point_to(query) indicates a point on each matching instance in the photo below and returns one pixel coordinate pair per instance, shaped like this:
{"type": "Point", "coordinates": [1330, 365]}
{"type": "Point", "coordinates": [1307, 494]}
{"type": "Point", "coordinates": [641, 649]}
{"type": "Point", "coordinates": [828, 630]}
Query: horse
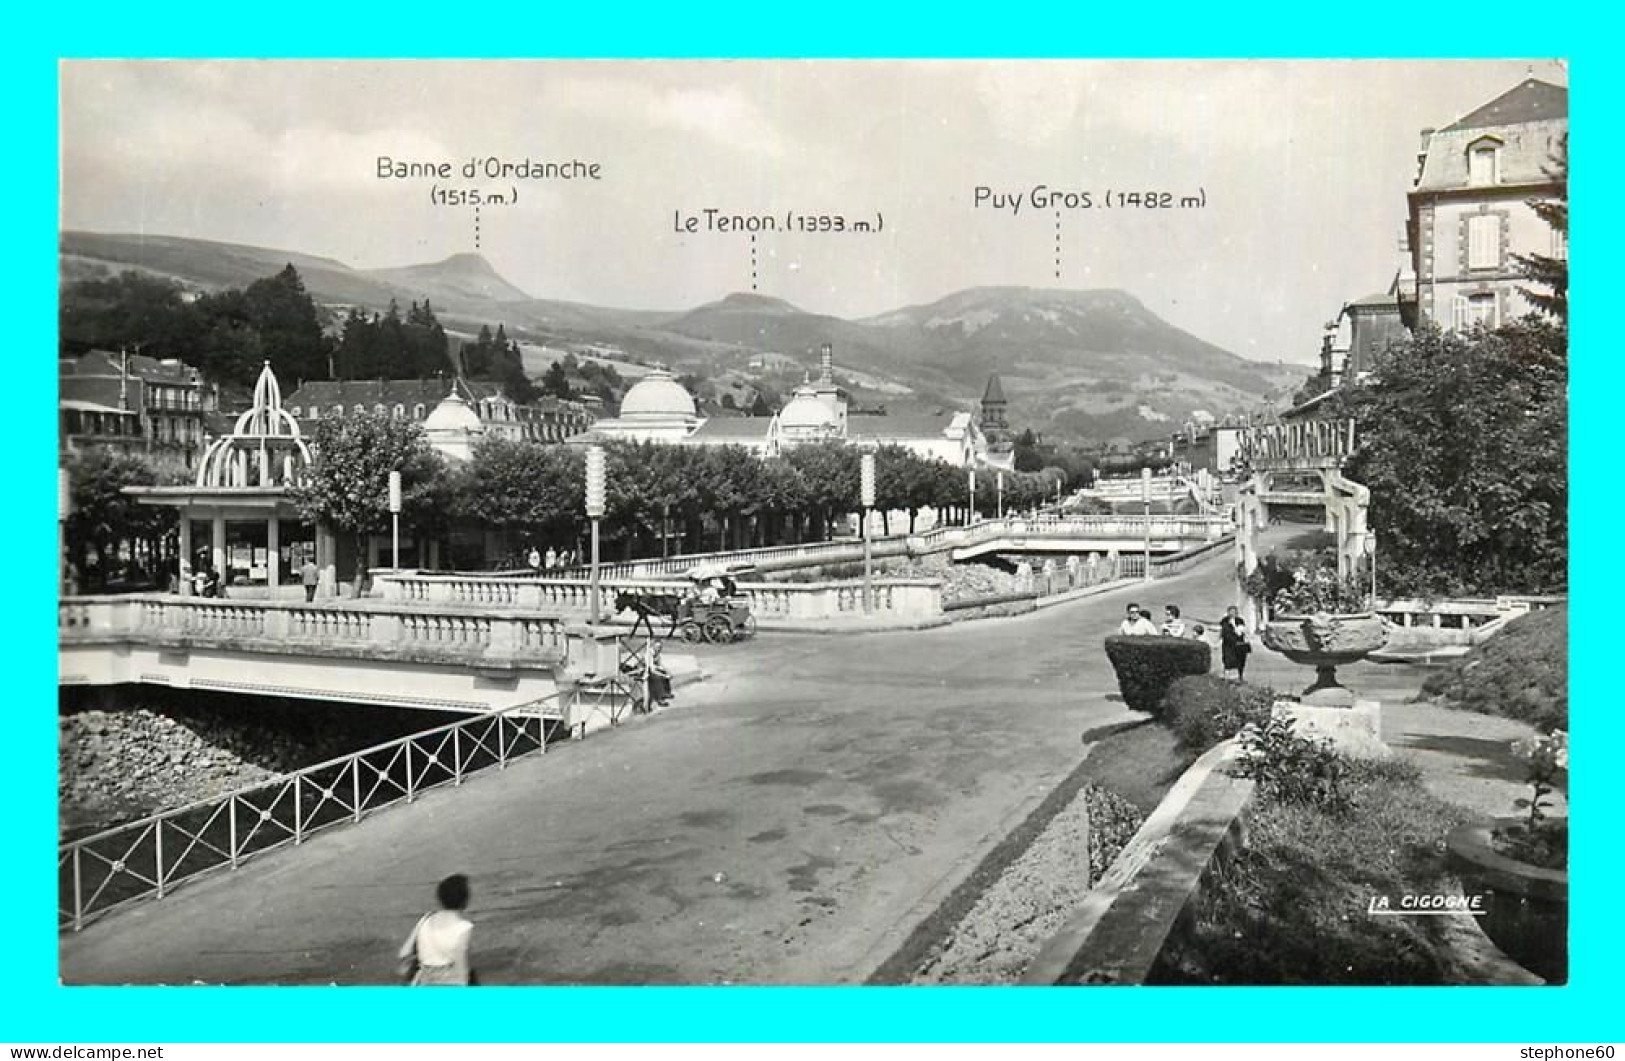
{"type": "Point", "coordinates": [667, 605]}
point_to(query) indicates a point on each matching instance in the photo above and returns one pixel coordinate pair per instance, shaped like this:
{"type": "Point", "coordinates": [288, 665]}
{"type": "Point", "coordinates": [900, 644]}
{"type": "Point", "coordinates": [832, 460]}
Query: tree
{"type": "Point", "coordinates": [1552, 271]}
{"type": "Point", "coordinates": [103, 514]}
{"type": "Point", "coordinates": [556, 381]}
{"type": "Point", "coordinates": [760, 406]}
{"type": "Point", "coordinates": [1463, 443]}
{"type": "Point", "coordinates": [524, 487]}
{"type": "Point", "coordinates": [347, 485]}
{"type": "Point", "coordinates": [282, 313]}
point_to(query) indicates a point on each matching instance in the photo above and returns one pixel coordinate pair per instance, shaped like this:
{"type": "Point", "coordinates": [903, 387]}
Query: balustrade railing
{"type": "Point", "coordinates": [151, 857]}
{"type": "Point", "coordinates": [375, 628]}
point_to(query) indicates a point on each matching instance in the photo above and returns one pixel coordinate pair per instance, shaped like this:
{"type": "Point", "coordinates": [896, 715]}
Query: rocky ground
{"type": "Point", "coordinates": [118, 765]}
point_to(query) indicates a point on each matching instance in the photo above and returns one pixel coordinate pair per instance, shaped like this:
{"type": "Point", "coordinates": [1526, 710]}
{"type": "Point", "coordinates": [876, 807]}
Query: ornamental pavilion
{"type": "Point", "coordinates": [238, 503]}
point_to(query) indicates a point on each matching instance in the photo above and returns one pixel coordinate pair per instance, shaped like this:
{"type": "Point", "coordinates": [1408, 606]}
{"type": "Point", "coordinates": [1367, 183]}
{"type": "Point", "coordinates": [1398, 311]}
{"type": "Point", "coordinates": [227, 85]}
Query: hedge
{"type": "Point", "coordinates": [1205, 709]}
{"type": "Point", "coordinates": [1522, 672]}
{"type": "Point", "coordinates": [1146, 666]}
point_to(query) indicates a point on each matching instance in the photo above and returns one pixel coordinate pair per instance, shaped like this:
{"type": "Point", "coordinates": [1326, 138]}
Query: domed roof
{"type": "Point", "coordinates": [657, 395]}
{"type": "Point", "coordinates": [452, 414]}
{"type": "Point", "coordinates": [806, 410]}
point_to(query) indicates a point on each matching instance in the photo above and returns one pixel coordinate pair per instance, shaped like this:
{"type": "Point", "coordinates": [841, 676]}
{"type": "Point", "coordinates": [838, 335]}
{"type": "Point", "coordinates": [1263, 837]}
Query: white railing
{"type": "Point", "coordinates": [151, 857]}
{"type": "Point", "coordinates": [1464, 621]}
{"type": "Point", "coordinates": [380, 627]}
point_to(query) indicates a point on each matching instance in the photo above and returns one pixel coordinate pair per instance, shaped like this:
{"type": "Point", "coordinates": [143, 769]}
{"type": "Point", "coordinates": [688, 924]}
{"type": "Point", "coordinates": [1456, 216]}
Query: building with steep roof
{"type": "Point", "coordinates": [1001, 442]}
{"type": "Point", "coordinates": [547, 419]}
{"type": "Point", "coordinates": [1469, 214]}
{"type": "Point", "coordinates": [150, 407]}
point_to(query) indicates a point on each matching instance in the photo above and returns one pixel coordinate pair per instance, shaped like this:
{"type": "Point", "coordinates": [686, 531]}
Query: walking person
{"type": "Point", "coordinates": [552, 560]}
{"type": "Point", "coordinates": [1233, 644]}
{"type": "Point", "coordinates": [436, 953]}
{"type": "Point", "coordinates": [311, 577]}
{"type": "Point", "coordinates": [533, 559]}
{"type": "Point", "coordinates": [1172, 624]}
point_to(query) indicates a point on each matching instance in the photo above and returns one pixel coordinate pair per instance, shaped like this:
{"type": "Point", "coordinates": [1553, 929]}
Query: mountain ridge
{"type": "Point", "coordinates": [1073, 361]}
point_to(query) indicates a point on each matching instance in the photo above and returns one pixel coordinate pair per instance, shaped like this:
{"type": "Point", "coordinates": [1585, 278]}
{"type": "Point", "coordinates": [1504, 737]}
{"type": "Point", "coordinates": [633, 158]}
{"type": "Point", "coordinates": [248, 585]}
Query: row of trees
{"type": "Point", "coordinates": [660, 498]}
{"type": "Point", "coordinates": [387, 346]}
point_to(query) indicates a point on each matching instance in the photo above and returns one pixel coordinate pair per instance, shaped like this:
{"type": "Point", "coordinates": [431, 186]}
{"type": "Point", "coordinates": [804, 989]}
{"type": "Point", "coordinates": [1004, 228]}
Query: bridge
{"type": "Point", "coordinates": [368, 652]}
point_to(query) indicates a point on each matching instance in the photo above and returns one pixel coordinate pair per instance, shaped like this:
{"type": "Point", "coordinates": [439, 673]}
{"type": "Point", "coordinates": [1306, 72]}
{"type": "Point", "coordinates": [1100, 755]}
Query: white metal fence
{"type": "Point", "coordinates": [152, 856]}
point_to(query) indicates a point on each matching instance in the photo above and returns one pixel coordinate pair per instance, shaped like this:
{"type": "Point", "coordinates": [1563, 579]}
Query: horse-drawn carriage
{"type": "Point", "coordinates": [713, 609]}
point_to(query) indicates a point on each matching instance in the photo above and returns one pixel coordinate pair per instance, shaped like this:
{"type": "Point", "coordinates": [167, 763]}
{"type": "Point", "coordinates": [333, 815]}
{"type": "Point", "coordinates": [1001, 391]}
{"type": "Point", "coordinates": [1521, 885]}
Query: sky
{"type": "Point", "coordinates": [1302, 166]}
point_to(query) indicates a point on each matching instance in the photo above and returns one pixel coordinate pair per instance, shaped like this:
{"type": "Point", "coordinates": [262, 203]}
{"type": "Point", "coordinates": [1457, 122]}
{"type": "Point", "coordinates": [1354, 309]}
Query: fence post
{"type": "Point", "coordinates": [158, 854]}
{"type": "Point", "coordinates": [502, 751]}
{"type": "Point", "coordinates": [408, 758]}
{"type": "Point", "coordinates": [78, 891]}
{"type": "Point", "coordinates": [231, 813]}
{"type": "Point", "coordinates": [355, 780]}
{"type": "Point", "coordinates": [298, 810]}
{"type": "Point", "coordinates": [457, 756]}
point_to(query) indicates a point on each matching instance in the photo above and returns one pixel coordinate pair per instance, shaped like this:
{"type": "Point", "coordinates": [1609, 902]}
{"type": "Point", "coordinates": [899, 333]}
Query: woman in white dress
{"type": "Point", "coordinates": [438, 945]}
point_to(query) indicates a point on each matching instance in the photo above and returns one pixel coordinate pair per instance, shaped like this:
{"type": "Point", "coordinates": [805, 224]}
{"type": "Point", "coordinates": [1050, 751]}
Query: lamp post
{"type": "Point", "coordinates": [868, 499]}
{"type": "Point", "coordinates": [595, 512]}
{"type": "Point", "coordinates": [972, 517]}
{"type": "Point", "coordinates": [64, 508]}
{"type": "Point", "coordinates": [1145, 498]}
{"type": "Point", "coordinates": [998, 478]}
{"type": "Point", "coordinates": [395, 519]}
{"type": "Point", "coordinates": [1371, 553]}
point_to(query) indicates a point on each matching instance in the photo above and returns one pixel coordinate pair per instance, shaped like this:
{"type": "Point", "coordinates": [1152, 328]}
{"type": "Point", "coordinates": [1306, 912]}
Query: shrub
{"type": "Point", "coordinates": [1204, 709]}
{"type": "Point", "coordinates": [1113, 821]}
{"type": "Point", "coordinates": [1146, 666]}
{"type": "Point", "coordinates": [1293, 769]}
{"type": "Point", "coordinates": [1522, 672]}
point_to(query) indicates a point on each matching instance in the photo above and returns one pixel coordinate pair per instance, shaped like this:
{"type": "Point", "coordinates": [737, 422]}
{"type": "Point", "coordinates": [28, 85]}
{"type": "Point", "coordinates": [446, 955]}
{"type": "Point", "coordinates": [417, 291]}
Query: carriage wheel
{"type": "Point", "coordinates": [690, 631]}
{"type": "Point", "coordinates": [718, 630]}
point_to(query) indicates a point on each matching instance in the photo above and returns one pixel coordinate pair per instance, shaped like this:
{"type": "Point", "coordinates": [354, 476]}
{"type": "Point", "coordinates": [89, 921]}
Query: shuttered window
{"type": "Point", "coordinates": [1484, 242]}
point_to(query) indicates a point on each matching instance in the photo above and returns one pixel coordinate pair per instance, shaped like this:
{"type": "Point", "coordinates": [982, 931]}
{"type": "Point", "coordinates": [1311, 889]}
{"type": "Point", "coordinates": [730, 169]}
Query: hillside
{"type": "Point", "coordinates": [1094, 364]}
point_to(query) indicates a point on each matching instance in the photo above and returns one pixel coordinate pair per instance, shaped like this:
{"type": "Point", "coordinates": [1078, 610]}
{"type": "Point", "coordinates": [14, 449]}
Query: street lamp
{"type": "Point", "coordinates": [395, 517]}
{"type": "Point", "coordinates": [999, 479]}
{"type": "Point", "coordinates": [868, 498]}
{"type": "Point", "coordinates": [64, 509]}
{"type": "Point", "coordinates": [1145, 497]}
{"type": "Point", "coordinates": [595, 512]}
{"type": "Point", "coordinates": [972, 517]}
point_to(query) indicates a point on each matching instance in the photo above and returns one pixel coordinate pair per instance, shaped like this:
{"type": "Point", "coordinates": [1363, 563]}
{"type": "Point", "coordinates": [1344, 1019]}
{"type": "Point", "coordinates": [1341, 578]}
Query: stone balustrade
{"type": "Point", "coordinates": [902, 602]}
{"type": "Point", "coordinates": [376, 631]}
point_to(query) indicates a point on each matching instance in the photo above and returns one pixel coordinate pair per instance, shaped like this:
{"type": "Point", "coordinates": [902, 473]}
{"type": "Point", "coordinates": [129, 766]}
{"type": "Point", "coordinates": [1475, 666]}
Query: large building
{"type": "Point", "coordinates": [545, 420]}
{"type": "Point", "coordinates": [1469, 209]}
{"type": "Point", "coordinates": [658, 409]}
{"type": "Point", "coordinates": [131, 403]}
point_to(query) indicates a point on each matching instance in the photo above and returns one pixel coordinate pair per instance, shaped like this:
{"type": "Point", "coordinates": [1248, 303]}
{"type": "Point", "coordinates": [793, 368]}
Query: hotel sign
{"type": "Point", "coordinates": [1302, 444]}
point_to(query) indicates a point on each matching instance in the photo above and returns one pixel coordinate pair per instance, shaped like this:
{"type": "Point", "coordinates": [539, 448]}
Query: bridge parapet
{"type": "Point", "coordinates": [378, 631]}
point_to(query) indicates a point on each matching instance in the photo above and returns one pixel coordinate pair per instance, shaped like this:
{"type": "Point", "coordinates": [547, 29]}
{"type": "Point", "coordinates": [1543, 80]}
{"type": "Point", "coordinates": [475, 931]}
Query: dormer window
{"type": "Point", "coordinates": [1484, 163]}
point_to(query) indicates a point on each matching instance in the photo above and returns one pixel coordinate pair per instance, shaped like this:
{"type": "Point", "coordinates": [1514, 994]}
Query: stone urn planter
{"type": "Point", "coordinates": [1526, 907]}
{"type": "Point", "coordinates": [1326, 642]}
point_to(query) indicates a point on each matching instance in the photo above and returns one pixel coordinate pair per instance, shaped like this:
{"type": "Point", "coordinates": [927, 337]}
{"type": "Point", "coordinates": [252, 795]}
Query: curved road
{"type": "Point", "coordinates": [787, 821]}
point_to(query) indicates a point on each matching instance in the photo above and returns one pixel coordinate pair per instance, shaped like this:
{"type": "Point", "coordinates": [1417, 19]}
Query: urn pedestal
{"type": "Point", "coordinates": [1326, 642]}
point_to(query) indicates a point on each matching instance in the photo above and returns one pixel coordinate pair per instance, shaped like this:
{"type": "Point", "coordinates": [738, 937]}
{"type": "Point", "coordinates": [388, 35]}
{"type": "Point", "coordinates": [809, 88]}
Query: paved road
{"type": "Point", "coordinates": [786, 821]}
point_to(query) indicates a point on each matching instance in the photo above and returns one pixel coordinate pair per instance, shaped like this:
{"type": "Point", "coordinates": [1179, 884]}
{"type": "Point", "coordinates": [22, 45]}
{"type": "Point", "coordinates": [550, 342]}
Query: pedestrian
{"type": "Point", "coordinates": [1233, 644]}
{"type": "Point", "coordinates": [436, 953]}
{"type": "Point", "coordinates": [310, 576]}
{"type": "Point", "coordinates": [552, 560]}
{"type": "Point", "coordinates": [1172, 624]}
{"type": "Point", "coordinates": [533, 559]}
{"type": "Point", "coordinates": [1135, 623]}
